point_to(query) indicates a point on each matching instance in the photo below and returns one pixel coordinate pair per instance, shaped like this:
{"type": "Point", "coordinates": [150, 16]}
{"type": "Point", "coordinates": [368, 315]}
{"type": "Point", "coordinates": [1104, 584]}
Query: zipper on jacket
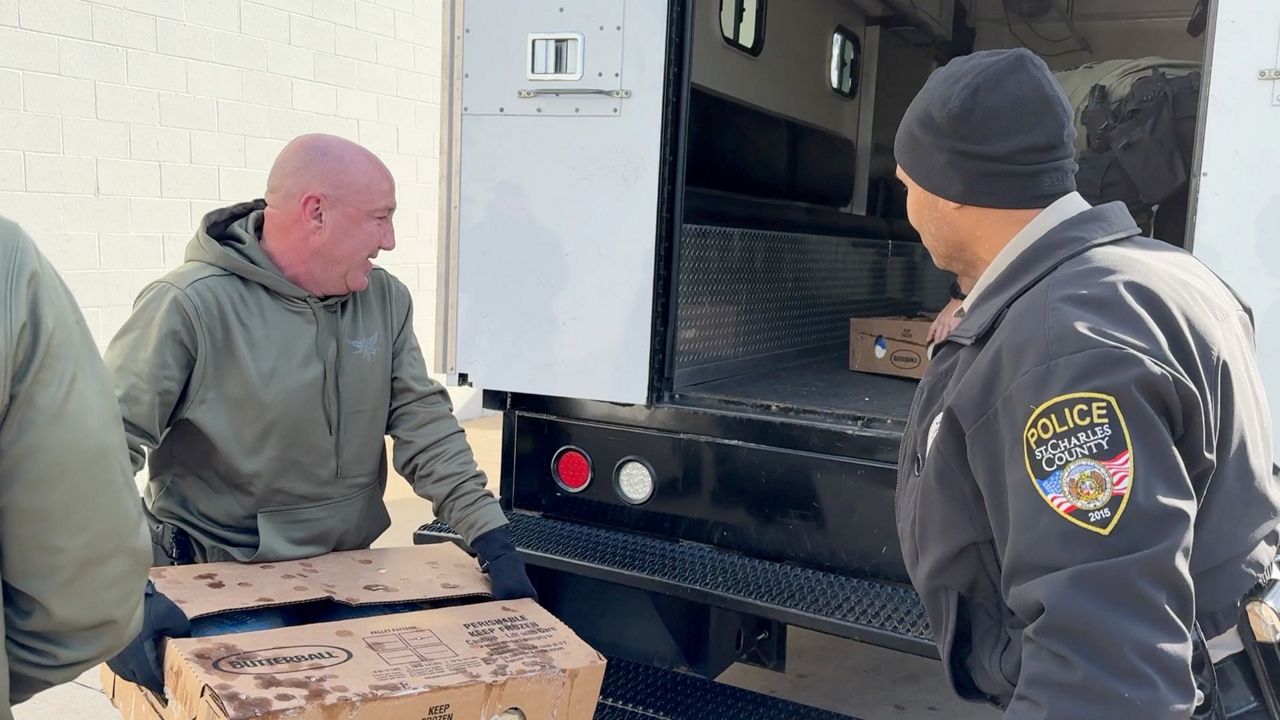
{"type": "Point", "coordinates": [907, 434]}
{"type": "Point", "coordinates": [337, 390]}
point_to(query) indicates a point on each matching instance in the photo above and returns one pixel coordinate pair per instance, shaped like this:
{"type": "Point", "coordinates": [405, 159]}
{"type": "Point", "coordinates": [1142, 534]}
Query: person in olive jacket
{"type": "Point", "coordinates": [264, 374]}
{"type": "Point", "coordinates": [73, 545]}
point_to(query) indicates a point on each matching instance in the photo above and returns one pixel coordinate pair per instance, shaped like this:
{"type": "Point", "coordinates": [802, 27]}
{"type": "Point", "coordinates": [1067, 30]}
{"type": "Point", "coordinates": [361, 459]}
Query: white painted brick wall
{"type": "Point", "coordinates": [188, 111]}
{"type": "Point", "coordinates": [55, 95]}
{"type": "Point", "coordinates": [266, 23]}
{"type": "Point", "coordinates": [212, 148]}
{"type": "Point", "coordinates": [128, 178]}
{"type": "Point", "coordinates": [239, 50]}
{"type": "Point", "coordinates": [83, 137]}
{"type": "Point", "coordinates": [59, 174]}
{"type": "Point", "coordinates": [122, 122]}
{"type": "Point", "coordinates": [92, 61]}
{"type": "Point", "coordinates": [122, 28]}
{"type": "Point", "coordinates": [290, 61]}
{"type": "Point", "coordinates": [117, 102]}
{"type": "Point", "coordinates": [187, 181]}
{"type": "Point", "coordinates": [56, 17]}
{"type": "Point", "coordinates": [10, 89]}
{"type": "Point", "coordinates": [12, 173]}
{"type": "Point", "coordinates": [150, 142]}
{"type": "Point", "coordinates": [158, 72]}
{"type": "Point", "coordinates": [342, 13]}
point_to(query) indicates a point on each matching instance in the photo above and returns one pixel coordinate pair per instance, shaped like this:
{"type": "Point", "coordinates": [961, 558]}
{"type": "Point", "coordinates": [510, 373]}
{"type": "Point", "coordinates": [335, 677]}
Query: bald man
{"type": "Point", "coordinates": [264, 374]}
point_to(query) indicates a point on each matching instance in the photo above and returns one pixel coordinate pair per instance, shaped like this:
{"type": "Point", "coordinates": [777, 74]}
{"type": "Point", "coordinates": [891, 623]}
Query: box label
{"type": "Point", "coordinates": [905, 359]}
{"type": "Point", "coordinates": [283, 660]}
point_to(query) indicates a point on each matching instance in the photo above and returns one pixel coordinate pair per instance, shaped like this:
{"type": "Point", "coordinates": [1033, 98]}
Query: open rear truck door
{"type": "Point", "coordinates": [560, 108]}
{"type": "Point", "coordinates": [1237, 210]}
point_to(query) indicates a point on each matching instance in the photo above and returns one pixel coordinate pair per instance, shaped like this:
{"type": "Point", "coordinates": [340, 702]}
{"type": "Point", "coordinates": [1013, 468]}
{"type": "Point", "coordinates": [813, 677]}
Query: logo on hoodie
{"type": "Point", "coordinates": [365, 347]}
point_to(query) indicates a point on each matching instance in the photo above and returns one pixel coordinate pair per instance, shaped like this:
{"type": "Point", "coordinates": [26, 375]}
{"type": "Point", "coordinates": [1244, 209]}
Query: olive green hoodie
{"type": "Point", "coordinates": [266, 408]}
{"type": "Point", "coordinates": [73, 547]}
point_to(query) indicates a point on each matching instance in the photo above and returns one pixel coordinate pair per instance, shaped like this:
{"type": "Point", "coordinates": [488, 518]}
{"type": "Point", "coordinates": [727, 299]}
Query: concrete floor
{"type": "Point", "coordinates": [827, 672]}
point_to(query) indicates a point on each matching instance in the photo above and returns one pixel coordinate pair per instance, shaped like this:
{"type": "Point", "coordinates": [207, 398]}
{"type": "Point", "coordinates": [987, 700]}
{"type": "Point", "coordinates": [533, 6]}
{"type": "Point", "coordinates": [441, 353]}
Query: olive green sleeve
{"type": "Point", "coordinates": [74, 551]}
{"type": "Point", "coordinates": [152, 360]}
{"type": "Point", "coordinates": [430, 447]}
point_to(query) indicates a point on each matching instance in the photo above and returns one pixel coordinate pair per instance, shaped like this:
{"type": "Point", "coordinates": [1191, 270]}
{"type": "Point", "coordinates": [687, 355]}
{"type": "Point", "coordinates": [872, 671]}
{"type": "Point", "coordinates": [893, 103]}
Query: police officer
{"type": "Point", "coordinates": [1086, 488]}
{"type": "Point", "coordinates": [264, 374]}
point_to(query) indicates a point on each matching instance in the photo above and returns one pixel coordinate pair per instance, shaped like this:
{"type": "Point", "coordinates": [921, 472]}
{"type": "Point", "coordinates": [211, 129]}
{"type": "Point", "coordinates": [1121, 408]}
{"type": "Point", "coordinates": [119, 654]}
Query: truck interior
{"type": "Point", "coordinates": [793, 222]}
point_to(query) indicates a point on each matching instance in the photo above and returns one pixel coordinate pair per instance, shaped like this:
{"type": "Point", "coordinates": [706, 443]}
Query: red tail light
{"type": "Point", "coordinates": [571, 469]}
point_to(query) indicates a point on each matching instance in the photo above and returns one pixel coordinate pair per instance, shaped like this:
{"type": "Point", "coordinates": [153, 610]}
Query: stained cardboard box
{"type": "Point", "coordinates": [467, 658]}
{"type": "Point", "coordinates": [889, 345]}
{"type": "Point", "coordinates": [132, 701]}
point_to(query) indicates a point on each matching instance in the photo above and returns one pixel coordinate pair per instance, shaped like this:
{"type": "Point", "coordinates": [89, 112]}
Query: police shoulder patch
{"type": "Point", "coordinates": [1080, 458]}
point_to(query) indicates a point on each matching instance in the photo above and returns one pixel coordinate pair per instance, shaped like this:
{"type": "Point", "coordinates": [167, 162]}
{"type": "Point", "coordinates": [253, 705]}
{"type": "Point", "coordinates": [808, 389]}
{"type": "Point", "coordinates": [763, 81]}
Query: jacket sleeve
{"type": "Point", "coordinates": [1093, 526]}
{"type": "Point", "coordinates": [152, 360]}
{"type": "Point", "coordinates": [74, 552]}
{"type": "Point", "coordinates": [430, 447]}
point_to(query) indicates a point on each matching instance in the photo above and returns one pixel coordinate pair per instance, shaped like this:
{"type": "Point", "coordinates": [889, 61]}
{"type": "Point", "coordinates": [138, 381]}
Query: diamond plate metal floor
{"type": "Point", "coordinates": [638, 692]}
{"type": "Point", "coordinates": [883, 614]}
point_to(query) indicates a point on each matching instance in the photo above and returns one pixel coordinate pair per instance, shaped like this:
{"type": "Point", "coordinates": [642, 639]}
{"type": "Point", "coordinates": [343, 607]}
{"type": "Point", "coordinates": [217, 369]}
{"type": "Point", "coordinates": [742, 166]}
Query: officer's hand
{"type": "Point", "coordinates": [142, 661]}
{"type": "Point", "coordinates": [944, 323]}
{"type": "Point", "coordinates": [498, 558]}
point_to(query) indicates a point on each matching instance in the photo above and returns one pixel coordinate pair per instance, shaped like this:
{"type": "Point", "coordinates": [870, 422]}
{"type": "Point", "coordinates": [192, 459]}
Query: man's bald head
{"type": "Point", "coordinates": [320, 163]}
{"type": "Point", "coordinates": [329, 209]}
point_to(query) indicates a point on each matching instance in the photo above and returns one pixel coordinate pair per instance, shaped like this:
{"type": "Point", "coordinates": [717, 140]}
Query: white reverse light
{"type": "Point", "coordinates": [635, 481]}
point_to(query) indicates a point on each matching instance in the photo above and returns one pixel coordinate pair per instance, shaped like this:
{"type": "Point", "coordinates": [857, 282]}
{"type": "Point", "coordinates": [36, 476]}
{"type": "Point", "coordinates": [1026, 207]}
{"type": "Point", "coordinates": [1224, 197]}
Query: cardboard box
{"type": "Point", "coordinates": [889, 345]}
{"type": "Point", "coordinates": [472, 661]}
{"type": "Point", "coordinates": [132, 701]}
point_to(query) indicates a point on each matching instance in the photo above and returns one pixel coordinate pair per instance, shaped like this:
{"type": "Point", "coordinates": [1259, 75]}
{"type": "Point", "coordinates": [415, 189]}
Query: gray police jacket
{"type": "Point", "coordinates": [1088, 469]}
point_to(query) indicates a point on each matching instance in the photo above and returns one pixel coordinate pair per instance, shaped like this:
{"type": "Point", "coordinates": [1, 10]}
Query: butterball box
{"type": "Point", "coordinates": [463, 657]}
{"type": "Point", "coordinates": [889, 345]}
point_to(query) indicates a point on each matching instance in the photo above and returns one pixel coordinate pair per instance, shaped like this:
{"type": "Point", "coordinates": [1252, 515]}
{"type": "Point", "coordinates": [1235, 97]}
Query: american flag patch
{"type": "Point", "coordinates": [1052, 489]}
{"type": "Point", "coordinates": [1119, 469]}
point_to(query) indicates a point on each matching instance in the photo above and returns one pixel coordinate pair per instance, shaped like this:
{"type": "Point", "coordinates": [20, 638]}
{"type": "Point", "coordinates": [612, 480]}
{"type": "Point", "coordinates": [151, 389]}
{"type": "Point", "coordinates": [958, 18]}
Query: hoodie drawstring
{"type": "Point", "coordinates": [322, 351]}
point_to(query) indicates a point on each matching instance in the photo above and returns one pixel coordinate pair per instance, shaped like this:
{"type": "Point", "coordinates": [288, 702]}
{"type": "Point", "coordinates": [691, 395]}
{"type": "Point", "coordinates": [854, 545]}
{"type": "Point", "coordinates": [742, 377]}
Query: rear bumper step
{"type": "Point", "coordinates": [878, 613]}
{"type": "Point", "coordinates": [639, 692]}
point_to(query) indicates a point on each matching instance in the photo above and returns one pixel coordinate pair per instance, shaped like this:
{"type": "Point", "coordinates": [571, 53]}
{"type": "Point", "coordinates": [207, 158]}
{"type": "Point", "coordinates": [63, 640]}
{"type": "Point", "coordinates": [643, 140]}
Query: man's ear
{"type": "Point", "coordinates": [312, 205]}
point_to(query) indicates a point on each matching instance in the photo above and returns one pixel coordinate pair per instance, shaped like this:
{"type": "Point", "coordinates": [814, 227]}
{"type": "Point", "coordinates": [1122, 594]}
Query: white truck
{"type": "Point", "coordinates": [658, 218]}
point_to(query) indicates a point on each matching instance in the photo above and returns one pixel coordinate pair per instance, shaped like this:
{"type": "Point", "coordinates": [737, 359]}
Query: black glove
{"type": "Point", "coordinates": [142, 661]}
{"type": "Point", "coordinates": [498, 558]}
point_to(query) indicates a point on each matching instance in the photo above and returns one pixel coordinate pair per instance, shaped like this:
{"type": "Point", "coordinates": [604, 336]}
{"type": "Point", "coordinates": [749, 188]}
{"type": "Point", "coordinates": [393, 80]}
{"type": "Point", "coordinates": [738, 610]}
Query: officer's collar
{"type": "Point", "coordinates": [1089, 229]}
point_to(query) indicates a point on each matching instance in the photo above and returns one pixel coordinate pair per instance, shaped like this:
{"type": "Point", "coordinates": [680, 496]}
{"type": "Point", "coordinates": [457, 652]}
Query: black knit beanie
{"type": "Point", "coordinates": [992, 129]}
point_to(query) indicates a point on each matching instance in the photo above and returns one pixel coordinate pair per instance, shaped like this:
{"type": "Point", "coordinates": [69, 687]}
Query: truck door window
{"type": "Point", "coordinates": [555, 57]}
{"type": "Point", "coordinates": [742, 24]}
{"type": "Point", "coordinates": [846, 60]}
